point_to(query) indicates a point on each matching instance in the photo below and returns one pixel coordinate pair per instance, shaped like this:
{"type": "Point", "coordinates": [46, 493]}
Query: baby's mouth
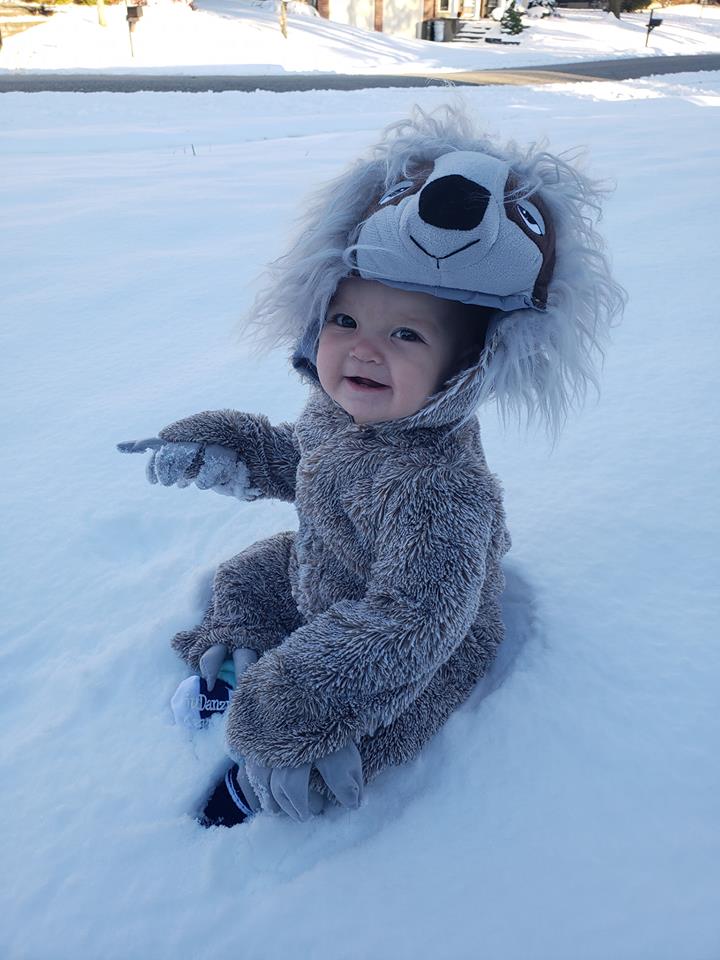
{"type": "Point", "coordinates": [367, 383]}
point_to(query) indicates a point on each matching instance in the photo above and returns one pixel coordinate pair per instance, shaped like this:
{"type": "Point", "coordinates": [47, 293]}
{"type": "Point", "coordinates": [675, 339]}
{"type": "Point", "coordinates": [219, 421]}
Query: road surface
{"type": "Point", "coordinates": [618, 69]}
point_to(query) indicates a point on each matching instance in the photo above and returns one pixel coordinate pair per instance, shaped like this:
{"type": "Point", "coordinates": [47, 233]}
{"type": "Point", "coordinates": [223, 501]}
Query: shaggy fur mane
{"type": "Point", "coordinates": [536, 364]}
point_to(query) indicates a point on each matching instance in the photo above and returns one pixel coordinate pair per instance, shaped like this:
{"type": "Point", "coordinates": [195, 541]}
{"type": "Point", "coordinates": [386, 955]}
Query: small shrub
{"type": "Point", "coordinates": [511, 21]}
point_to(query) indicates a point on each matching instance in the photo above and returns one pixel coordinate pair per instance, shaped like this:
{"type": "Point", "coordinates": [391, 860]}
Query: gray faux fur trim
{"type": "Point", "coordinates": [538, 364]}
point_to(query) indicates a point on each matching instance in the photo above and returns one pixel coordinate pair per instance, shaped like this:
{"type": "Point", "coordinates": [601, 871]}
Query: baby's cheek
{"type": "Point", "coordinates": [324, 359]}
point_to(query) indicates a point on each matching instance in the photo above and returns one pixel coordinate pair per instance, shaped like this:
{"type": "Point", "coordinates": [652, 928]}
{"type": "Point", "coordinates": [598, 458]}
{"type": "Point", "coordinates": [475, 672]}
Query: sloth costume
{"type": "Point", "coordinates": [375, 619]}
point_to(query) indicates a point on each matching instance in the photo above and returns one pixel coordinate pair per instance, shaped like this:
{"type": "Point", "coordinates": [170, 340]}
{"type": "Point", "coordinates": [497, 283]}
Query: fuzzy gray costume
{"type": "Point", "coordinates": [374, 621]}
{"type": "Point", "coordinates": [378, 616]}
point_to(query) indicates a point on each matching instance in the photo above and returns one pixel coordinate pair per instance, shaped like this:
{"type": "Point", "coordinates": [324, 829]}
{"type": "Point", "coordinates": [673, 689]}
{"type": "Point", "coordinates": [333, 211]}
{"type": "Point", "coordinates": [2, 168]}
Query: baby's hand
{"type": "Point", "coordinates": [169, 463]}
{"type": "Point", "coordinates": [209, 466]}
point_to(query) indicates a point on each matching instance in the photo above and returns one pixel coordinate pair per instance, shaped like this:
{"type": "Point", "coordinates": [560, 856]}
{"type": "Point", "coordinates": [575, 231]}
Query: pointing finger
{"type": "Point", "coordinates": [139, 446]}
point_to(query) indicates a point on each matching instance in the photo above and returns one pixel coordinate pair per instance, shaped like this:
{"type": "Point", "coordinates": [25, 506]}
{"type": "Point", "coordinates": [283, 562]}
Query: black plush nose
{"type": "Point", "coordinates": [453, 203]}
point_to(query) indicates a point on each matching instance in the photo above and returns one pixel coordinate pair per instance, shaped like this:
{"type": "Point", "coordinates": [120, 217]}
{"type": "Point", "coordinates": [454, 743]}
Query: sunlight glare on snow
{"type": "Point", "coordinates": [239, 37]}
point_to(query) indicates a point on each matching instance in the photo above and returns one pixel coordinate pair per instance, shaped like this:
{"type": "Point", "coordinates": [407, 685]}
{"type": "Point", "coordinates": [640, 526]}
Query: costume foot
{"type": "Point", "coordinates": [193, 704]}
{"type": "Point", "coordinates": [227, 805]}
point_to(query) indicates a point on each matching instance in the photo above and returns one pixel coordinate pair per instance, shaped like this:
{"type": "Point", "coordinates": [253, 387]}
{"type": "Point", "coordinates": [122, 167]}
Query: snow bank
{"type": "Point", "coordinates": [571, 814]}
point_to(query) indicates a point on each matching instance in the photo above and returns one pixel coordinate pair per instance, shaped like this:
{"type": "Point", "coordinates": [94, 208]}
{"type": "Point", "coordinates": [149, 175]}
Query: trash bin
{"type": "Point", "coordinates": [438, 30]}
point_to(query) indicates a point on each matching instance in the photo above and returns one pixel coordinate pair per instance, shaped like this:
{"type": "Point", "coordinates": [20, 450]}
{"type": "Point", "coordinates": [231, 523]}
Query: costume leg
{"type": "Point", "coordinates": [452, 684]}
{"type": "Point", "coordinates": [252, 604]}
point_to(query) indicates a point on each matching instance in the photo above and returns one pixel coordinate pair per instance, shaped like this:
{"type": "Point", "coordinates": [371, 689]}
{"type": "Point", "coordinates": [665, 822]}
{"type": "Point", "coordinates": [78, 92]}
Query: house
{"type": "Point", "coordinates": [401, 17]}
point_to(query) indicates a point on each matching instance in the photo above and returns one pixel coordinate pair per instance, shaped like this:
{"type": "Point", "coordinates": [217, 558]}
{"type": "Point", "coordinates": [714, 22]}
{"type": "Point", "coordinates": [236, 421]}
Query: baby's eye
{"type": "Point", "coordinates": [342, 320]}
{"type": "Point", "coordinates": [405, 333]}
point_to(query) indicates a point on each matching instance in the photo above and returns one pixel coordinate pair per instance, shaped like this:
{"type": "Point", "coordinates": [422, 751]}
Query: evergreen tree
{"type": "Point", "coordinates": [511, 21]}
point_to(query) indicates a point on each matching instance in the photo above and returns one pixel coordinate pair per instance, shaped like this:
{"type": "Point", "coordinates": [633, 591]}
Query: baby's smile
{"type": "Point", "coordinates": [362, 383]}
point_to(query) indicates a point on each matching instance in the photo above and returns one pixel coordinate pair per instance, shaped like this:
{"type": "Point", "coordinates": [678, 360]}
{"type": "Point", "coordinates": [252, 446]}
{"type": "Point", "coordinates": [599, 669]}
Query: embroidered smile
{"type": "Point", "coordinates": [446, 255]}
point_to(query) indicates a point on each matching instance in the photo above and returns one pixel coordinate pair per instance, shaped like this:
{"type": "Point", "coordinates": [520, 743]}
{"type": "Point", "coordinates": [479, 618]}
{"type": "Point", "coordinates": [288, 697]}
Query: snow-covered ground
{"type": "Point", "coordinates": [237, 37]}
{"type": "Point", "coordinates": [573, 813]}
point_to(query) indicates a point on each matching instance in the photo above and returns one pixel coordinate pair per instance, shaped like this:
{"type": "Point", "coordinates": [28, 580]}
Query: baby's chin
{"type": "Point", "coordinates": [369, 405]}
{"type": "Point", "coordinates": [382, 408]}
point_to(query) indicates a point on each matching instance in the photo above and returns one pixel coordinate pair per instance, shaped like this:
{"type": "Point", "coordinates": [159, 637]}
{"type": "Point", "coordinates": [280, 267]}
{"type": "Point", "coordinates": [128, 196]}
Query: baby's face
{"type": "Point", "coordinates": [383, 351]}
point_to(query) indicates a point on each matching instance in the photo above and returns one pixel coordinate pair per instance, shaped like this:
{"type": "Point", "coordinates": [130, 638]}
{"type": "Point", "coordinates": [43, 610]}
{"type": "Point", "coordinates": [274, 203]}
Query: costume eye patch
{"type": "Point", "coordinates": [396, 191]}
{"type": "Point", "coordinates": [532, 218]}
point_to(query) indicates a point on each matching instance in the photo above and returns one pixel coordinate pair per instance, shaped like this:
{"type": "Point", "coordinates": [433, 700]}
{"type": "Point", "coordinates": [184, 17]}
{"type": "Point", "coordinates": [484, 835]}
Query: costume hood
{"type": "Point", "coordinates": [440, 209]}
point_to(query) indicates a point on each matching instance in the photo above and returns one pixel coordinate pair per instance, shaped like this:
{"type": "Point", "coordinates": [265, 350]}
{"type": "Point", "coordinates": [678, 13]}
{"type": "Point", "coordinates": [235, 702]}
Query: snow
{"type": "Point", "coordinates": [239, 37]}
{"type": "Point", "coordinates": [571, 813]}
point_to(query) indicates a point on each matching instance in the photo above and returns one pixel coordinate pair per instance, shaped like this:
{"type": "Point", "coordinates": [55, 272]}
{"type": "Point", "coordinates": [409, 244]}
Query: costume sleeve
{"type": "Point", "coordinates": [358, 665]}
{"type": "Point", "coordinates": [270, 454]}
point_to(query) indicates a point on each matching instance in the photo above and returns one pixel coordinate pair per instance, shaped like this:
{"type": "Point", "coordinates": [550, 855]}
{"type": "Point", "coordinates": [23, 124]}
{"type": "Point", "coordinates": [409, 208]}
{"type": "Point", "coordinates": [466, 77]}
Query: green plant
{"type": "Point", "coordinates": [511, 21]}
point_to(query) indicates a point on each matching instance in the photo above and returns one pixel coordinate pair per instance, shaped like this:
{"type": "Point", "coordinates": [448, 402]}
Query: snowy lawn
{"type": "Point", "coordinates": [237, 37]}
{"type": "Point", "coordinates": [573, 813]}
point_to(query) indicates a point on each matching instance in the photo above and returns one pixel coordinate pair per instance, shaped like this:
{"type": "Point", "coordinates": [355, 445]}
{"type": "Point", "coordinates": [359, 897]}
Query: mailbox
{"type": "Point", "coordinates": [134, 13]}
{"type": "Point", "coordinates": [651, 24]}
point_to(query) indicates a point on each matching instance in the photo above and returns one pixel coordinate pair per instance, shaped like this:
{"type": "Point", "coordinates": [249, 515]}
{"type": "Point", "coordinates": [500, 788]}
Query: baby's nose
{"type": "Point", "coordinates": [367, 350]}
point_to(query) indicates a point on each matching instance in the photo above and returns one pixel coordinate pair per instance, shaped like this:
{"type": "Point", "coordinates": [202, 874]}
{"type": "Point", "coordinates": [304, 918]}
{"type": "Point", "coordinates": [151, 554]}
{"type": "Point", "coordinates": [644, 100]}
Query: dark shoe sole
{"type": "Point", "coordinates": [226, 806]}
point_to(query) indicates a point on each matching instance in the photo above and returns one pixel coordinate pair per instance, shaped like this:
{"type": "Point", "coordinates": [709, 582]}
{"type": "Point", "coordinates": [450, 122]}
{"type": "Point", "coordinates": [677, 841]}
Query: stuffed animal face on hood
{"type": "Point", "coordinates": [461, 229]}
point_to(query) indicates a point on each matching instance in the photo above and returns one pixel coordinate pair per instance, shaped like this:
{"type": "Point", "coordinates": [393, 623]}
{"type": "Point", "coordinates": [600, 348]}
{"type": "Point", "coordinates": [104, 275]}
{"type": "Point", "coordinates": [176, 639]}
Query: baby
{"type": "Point", "coordinates": [440, 273]}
